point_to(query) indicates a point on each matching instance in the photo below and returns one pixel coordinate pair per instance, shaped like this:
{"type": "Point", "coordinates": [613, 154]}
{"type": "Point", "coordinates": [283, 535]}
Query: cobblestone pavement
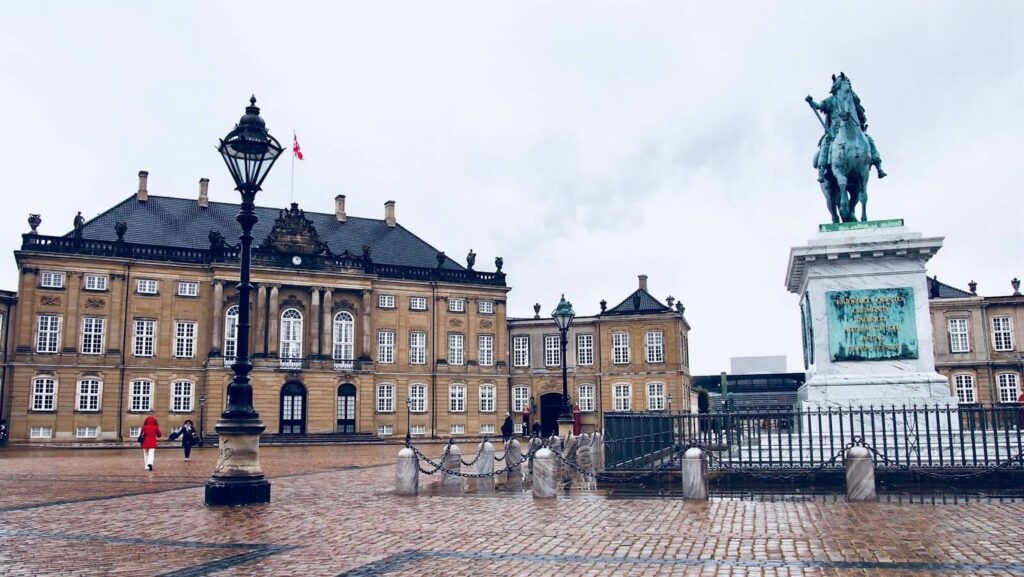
{"type": "Point", "coordinates": [96, 512]}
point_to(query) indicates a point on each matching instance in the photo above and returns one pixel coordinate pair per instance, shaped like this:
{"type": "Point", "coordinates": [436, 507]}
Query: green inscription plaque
{"type": "Point", "coordinates": [871, 325]}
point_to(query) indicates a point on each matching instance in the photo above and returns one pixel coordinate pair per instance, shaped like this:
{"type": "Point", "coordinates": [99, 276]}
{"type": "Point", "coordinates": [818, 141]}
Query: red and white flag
{"type": "Point", "coordinates": [296, 150]}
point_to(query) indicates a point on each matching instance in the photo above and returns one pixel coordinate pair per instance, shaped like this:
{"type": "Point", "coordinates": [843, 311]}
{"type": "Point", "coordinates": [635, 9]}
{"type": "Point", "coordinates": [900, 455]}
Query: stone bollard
{"type": "Point", "coordinates": [555, 442]}
{"type": "Point", "coordinates": [452, 484]}
{"type": "Point", "coordinates": [569, 454]}
{"type": "Point", "coordinates": [407, 473]}
{"type": "Point", "coordinates": [485, 465]}
{"type": "Point", "coordinates": [695, 479]}
{"type": "Point", "coordinates": [585, 461]}
{"type": "Point", "coordinates": [513, 455]}
{"type": "Point", "coordinates": [860, 475]}
{"type": "Point", "coordinates": [535, 444]}
{"type": "Point", "coordinates": [598, 451]}
{"type": "Point", "coordinates": [545, 486]}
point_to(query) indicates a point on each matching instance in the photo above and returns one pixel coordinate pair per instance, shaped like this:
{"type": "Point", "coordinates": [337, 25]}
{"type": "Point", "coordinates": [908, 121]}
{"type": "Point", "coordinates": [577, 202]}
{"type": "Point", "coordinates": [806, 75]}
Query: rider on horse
{"type": "Point", "coordinates": [821, 161]}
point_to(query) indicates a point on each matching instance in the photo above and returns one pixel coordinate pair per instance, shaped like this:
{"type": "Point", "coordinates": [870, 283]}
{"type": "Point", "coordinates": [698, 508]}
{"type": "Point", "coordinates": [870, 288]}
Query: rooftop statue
{"type": "Point", "coordinates": [845, 152]}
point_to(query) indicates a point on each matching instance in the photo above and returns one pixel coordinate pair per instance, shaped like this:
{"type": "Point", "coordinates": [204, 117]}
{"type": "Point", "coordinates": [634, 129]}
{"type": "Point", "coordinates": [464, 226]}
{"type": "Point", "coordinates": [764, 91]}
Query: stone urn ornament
{"type": "Point", "coordinates": [34, 220]}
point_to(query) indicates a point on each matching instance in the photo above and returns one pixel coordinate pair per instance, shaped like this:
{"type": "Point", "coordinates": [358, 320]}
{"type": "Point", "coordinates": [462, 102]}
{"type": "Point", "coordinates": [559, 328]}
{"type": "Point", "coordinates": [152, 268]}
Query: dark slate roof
{"type": "Point", "coordinates": [938, 290]}
{"type": "Point", "coordinates": [639, 303]}
{"type": "Point", "coordinates": [180, 222]}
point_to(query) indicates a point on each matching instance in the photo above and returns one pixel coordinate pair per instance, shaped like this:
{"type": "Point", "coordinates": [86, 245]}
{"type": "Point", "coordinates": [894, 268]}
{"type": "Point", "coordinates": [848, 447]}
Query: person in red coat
{"type": "Point", "coordinates": [147, 438]}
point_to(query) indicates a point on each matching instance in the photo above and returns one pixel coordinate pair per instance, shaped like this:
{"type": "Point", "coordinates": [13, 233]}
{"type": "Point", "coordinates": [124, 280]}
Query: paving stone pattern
{"type": "Point", "coordinates": [96, 512]}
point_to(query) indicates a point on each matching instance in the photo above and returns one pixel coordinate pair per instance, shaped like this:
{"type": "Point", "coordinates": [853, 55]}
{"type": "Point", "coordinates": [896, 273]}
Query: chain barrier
{"type": "Point", "coordinates": [441, 467]}
{"type": "Point", "coordinates": [479, 451]}
{"type": "Point", "coordinates": [977, 473]}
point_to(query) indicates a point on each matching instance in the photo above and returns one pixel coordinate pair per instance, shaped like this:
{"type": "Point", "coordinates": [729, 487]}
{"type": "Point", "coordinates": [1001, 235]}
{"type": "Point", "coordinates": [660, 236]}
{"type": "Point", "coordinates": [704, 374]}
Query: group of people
{"type": "Point", "coordinates": [151, 432]}
{"type": "Point", "coordinates": [508, 428]}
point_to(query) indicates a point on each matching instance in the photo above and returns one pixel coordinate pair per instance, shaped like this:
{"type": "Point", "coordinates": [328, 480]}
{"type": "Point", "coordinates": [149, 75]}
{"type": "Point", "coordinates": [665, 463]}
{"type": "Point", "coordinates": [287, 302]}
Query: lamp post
{"type": "Point", "coordinates": [563, 315]}
{"type": "Point", "coordinates": [249, 153]}
{"type": "Point", "coordinates": [408, 421]}
{"type": "Point", "coordinates": [202, 416]}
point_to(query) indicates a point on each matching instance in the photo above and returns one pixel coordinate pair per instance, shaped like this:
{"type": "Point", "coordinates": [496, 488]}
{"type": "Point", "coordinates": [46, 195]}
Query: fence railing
{"type": "Point", "coordinates": [904, 437]}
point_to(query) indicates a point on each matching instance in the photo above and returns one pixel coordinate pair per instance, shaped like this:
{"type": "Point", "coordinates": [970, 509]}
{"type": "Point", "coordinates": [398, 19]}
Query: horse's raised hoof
{"type": "Point", "coordinates": [882, 173]}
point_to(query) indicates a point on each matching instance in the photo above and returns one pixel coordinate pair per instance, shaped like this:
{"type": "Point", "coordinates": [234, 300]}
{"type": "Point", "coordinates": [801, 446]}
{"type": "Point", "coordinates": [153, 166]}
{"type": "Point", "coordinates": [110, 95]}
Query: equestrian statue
{"type": "Point", "coordinates": [846, 152]}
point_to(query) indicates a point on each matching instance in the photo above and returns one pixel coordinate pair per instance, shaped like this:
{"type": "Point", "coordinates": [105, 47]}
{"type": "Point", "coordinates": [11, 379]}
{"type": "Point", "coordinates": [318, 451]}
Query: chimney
{"type": "Point", "coordinates": [643, 281]}
{"type": "Point", "coordinates": [204, 199]}
{"type": "Point", "coordinates": [339, 207]}
{"type": "Point", "coordinates": [389, 213]}
{"type": "Point", "coordinates": [143, 194]}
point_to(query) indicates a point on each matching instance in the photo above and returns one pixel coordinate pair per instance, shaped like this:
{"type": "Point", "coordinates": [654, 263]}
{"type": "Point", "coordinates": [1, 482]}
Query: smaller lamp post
{"type": "Point", "coordinates": [202, 416]}
{"type": "Point", "coordinates": [563, 315]}
{"type": "Point", "coordinates": [408, 421]}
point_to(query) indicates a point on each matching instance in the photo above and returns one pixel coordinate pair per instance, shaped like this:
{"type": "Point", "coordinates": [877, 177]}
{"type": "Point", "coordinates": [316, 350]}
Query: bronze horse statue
{"type": "Point", "coordinates": [849, 158]}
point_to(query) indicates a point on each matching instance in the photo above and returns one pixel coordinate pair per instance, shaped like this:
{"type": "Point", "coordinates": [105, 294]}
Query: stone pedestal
{"type": "Point", "coordinates": [452, 484]}
{"type": "Point", "coordinates": [238, 478]}
{"type": "Point", "coordinates": [485, 466]}
{"type": "Point", "coordinates": [694, 473]}
{"type": "Point", "coordinates": [545, 486]}
{"type": "Point", "coordinates": [407, 473]}
{"type": "Point", "coordinates": [513, 459]}
{"type": "Point", "coordinates": [867, 325]}
{"type": "Point", "coordinates": [860, 475]}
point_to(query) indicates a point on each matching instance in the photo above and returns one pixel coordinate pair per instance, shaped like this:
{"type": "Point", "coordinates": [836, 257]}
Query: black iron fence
{"type": "Point", "coordinates": [902, 437]}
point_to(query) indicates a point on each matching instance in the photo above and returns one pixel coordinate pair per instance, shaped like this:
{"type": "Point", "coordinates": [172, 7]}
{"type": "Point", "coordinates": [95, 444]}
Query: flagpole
{"type": "Point", "coordinates": [292, 193]}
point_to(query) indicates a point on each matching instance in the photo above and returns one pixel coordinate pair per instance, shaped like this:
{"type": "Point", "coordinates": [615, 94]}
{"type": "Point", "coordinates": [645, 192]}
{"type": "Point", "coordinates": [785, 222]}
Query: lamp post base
{"type": "Point", "coordinates": [565, 427]}
{"type": "Point", "coordinates": [238, 478]}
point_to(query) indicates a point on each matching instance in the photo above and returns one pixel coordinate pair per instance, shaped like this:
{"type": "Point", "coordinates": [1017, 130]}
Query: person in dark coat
{"type": "Point", "coordinates": [189, 437]}
{"type": "Point", "coordinates": [507, 428]}
{"type": "Point", "coordinates": [150, 433]}
{"type": "Point", "coordinates": [536, 428]}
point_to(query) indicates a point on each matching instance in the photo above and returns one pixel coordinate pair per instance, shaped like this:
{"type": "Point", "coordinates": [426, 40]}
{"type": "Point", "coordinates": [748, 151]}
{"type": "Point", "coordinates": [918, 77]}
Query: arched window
{"type": "Point", "coordinates": [291, 338]}
{"type": "Point", "coordinates": [487, 394]}
{"type": "Point", "coordinates": [520, 398]}
{"type": "Point", "coordinates": [44, 394]}
{"type": "Point", "coordinates": [141, 396]}
{"type": "Point", "coordinates": [230, 335]}
{"type": "Point", "coordinates": [344, 340]}
{"type": "Point", "coordinates": [457, 398]}
{"type": "Point", "coordinates": [88, 398]}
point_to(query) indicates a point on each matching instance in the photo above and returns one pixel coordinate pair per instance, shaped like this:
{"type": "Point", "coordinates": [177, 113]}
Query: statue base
{"type": "Point", "coordinates": [238, 478]}
{"type": "Point", "coordinates": [866, 320]}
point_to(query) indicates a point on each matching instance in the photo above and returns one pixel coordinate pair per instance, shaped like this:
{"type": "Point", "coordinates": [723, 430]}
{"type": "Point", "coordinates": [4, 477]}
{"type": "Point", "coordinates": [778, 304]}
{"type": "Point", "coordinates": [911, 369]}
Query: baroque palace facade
{"type": "Point", "coordinates": [357, 326]}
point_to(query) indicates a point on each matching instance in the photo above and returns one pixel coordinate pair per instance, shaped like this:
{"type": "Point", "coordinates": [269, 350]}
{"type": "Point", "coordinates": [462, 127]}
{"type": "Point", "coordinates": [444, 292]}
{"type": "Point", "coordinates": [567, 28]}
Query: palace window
{"type": "Point", "coordinates": [41, 432]}
{"type": "Point", "coordinates": [144, 338]}
{"type": "Point", "coordinates": [385, 430]}
{"type": "Point", "coordinates": [146, 286]}
{"type": "Point", "coordinates": [418, 398]}
{"type": "Point", "coordinates": [1008, 389]}
{"type": "Point", "coordinates": [86, 432]}
{"type": "Point", "coordinates": [48, 335]}
{"type": "Point", "coordinates": [456, 348]}
{"type": "Point", "coordinates": [181, 396]}
{"type": "Point", "coordinates": [521, 351]}
{"type": "Point", "coordinates": [552, 351]}
{"type": "Point", "coordinates": [386, 347]}
{"type": "Point", "coordinates": [457, 398]}
{"type": "Point", "coordinates": [964, 388]}
{"type": "Point", "coordinates": [458, 429]}
{"type": "Point", "coordinates": [620, 348]}
{"type": "Point", "coordinates": [231, 334]}
{"type": "Point", "coordinates": [655, 347]}
{"type": "Point", "coordinates": [95, 282]}
{"type": "Point", "coordinates": [959, 340]}
{"type": "Point", "coordinates": [584, 350]}
{"type": "Point", "coordinates": [520, 398]}
{"type": "Point", "coordinates": [655, 396]}
{"type": "Point", "coordinates": [485, 307]}
{"type": "Point", "coordinates": [88, 398]}
{"type": "Point", "coordinates": [51, 280]}
{"type": "Point", "coordinates": [92, 335]}
{"type": "Point", "coordinates": [134, 432]}
{"type": "Point", "coordinates": [417, 348]}
{"type": "Point", "coordinates": [386, 398]}
{"type": "Point", "coordinates": [622, 397]}
{"type": "Point", "coordinates": [141, 396]}
{"type": "Point", "coordinates": [184, 339]}
{"type": "Point", "coordinates": [343, 350]}
{"type": "Point", "coordinates": [456, 305]}
{"type": "Point", "coordinates": [418, 430]}
{"type": "Point", "coordinates": [386, 301]}
{"type": "Point", "coordinates": [485, 350]}
{"type": "Point", "coordinates": [44, 394]}
{"type": "Point", "coordinates": [487, 429]}
{"type": "Point", "coordinates": [291, 338]}
{"type": "Point", "coordinates": [586, 397]}
{"type": "Point", "coordinates": [418, 303]}
{"type": "Point", "coordinates": [487, 393]}
{"type": "Point", "coordinates": [188, 289]}
{"type": "Point", "coordinates": [1002, 333]}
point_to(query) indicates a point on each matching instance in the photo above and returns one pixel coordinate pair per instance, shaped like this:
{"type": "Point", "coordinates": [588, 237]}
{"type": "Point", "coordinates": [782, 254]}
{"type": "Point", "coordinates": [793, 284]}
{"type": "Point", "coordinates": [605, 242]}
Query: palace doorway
{"type": "Point", "coordinates": [293, 408]}
{"type": "Point", "coordinates": [550, 406]}
{"type": "Point", "coordinates": [346, 409]}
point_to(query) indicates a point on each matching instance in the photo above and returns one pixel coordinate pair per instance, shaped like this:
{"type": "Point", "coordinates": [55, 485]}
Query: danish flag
{"type": "Point", "coordinates": [296, 150]}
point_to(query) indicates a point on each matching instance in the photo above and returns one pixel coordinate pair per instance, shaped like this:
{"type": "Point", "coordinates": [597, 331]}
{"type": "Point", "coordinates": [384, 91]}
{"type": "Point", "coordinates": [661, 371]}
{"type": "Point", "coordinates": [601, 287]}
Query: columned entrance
{"type": "Point", "coordinates": [550, 406]}
{"type": "Point", "coordinates": [293, 408]}
{"type": "Point", "coordinates": [346, 409]}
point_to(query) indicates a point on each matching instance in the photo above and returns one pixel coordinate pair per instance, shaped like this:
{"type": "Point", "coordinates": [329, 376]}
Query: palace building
{"type": "Point", "coordinates": [631, 357]}
{"type": "Point", "coordinates": [354, 321]}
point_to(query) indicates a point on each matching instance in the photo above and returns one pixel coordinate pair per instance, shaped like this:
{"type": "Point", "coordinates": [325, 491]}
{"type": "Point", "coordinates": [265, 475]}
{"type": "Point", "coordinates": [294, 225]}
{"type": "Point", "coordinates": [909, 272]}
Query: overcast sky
{"type": "Point", "coordinates": [584, 142]}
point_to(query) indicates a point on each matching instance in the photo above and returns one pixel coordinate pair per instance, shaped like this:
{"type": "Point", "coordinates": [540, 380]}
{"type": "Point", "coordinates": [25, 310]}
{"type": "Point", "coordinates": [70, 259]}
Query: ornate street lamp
{"type": "Point", "coordinates": [249, 152]}
{"type": "Point", "coordinates": [563, 315]}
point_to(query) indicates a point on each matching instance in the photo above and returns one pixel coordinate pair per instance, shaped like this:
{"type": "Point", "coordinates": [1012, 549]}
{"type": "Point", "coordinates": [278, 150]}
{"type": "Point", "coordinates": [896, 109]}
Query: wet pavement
{"type": "Point", "coordinates": [97, 512]}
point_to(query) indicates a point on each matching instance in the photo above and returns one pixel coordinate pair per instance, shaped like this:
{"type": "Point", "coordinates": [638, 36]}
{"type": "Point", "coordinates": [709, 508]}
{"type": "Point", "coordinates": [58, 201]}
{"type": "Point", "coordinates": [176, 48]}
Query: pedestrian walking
{"type": "Point", "coordinates": [507, 428]}
{"type": "Point", "coordinates": [526, 420]}
{"type": "Point", "coordinates": [147, 438]}
{"type": "Point", "coordinates": [189, 437]}
{"type": "Point", "coordinates": [536, 428]}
